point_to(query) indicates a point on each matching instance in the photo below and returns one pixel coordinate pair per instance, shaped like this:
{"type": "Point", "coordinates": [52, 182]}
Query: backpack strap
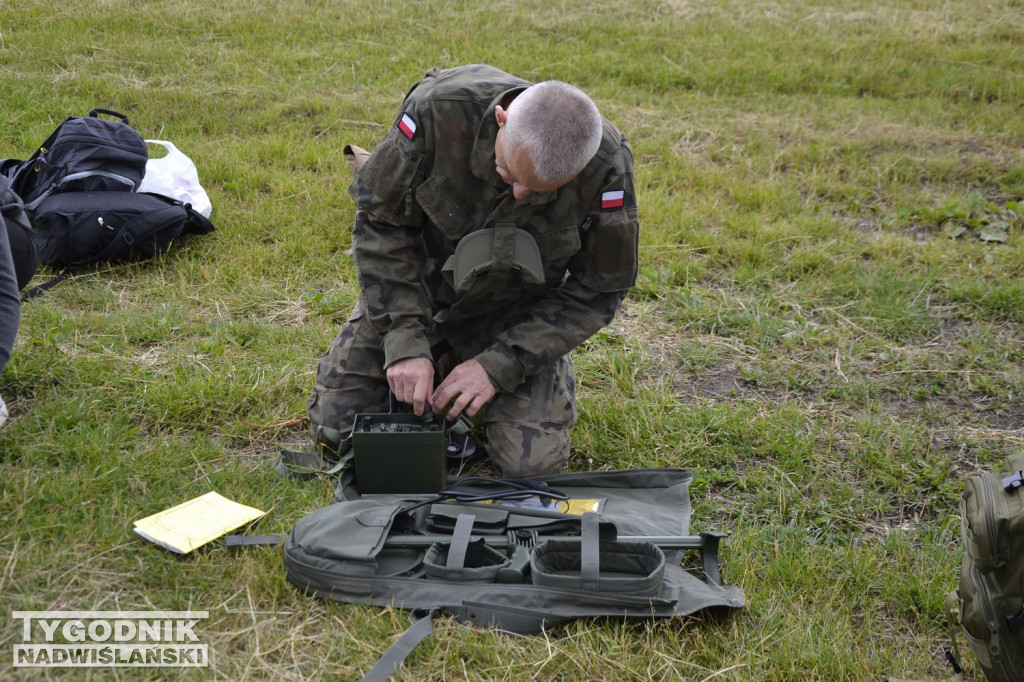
{"type": "Point", "coordinates": [132, 231]}
{"type": "Point", "coordinates": [952, 652]}
{"type": "Point", "coordinates": [36, 290]}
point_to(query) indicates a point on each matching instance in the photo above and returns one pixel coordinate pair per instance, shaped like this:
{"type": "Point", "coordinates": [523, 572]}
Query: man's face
{"type": "Point", "coordinates": [514, 165]}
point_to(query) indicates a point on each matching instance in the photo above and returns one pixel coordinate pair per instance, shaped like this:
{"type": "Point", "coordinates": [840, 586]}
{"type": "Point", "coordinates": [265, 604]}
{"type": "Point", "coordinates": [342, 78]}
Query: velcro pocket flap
{"type": "Point", "coordinates": [347, 531]}
{"type": "Point", "coordinates": [486, 521]}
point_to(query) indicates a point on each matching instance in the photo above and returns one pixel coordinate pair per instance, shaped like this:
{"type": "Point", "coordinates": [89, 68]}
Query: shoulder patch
{"type": "Point", "coordinates": [613, 199]}
{"type": "Point", "coordinates": [407, 125]}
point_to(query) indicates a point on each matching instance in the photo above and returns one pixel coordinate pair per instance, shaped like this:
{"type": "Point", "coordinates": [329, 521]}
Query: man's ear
{"type": "Point", "coordinates": [501, 115]}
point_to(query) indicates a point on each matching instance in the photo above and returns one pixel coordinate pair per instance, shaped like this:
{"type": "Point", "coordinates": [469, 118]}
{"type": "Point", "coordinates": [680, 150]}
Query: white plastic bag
{"type": "Point", "coordinates": [174, 175]}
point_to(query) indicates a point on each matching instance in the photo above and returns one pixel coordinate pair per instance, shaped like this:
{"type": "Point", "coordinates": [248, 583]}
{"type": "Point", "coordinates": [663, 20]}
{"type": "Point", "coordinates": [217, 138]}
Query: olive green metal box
{"type": "Point", "coordinates": [398, 453]}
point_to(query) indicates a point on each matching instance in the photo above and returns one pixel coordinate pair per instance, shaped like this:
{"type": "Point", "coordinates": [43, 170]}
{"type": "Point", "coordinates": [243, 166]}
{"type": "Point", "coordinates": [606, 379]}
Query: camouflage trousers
{"type": "Point", "coordinates": [526, 431]}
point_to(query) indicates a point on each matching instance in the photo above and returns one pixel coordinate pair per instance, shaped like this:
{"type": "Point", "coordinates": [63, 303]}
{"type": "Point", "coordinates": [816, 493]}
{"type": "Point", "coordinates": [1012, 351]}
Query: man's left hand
{"type": "Point", "coordinates": [468, 387]}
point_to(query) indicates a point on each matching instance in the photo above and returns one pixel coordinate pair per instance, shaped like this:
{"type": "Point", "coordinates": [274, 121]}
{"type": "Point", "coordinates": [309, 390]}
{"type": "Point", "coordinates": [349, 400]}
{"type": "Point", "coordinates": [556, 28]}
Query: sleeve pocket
{"type": "Point", "coordinates": [384, 180]}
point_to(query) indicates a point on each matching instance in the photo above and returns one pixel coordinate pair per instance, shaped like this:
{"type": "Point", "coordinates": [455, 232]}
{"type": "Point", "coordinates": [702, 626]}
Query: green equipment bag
{"type": "Point", "coordinates": [519, 556]}
{"type": "Point", "coordinates": [989, 604]}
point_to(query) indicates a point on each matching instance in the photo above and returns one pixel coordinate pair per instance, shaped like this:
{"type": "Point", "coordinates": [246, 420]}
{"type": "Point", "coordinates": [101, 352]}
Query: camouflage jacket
{"type": "Point", "coordinates": [432, 181]}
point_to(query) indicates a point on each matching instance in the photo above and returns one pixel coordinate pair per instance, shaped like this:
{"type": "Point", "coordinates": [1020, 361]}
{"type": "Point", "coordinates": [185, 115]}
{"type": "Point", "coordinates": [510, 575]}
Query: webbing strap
{"type": "Point", "coordinates": [328, 444]}
{"type": "Point", "coordinates": [301, 465]}
{"type": "Point", "coordinates": [393, 658]}
{"type": "Point", "coordinates": [247, 540]}
{"type": "Point", "coordinates": [38, 289]}
{"type": "Point", "coordinates": [459, 544]}
{"type": "Point", "coordinates": [953, 625]}
{"type": "Point", "coordinates": [590, 562]}
{"type": "Point", "coordinates": [504, 250]}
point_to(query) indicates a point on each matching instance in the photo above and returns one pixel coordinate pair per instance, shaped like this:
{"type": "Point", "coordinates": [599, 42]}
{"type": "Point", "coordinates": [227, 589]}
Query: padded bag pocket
{"type": "Point", "coordinates": [349, 538]}
{"type": "Point", "coordinates": [462, 559]}
{"type": "Point", "coordinates": [615, 567]}
{"type": "Point", "coordinates": [443, 516]}
{"type": "Point", "coordinates": [990, 515]}
{"type": "Point", "coordinates": [481, 564]}
{"type": "Point", "coordinates": [85, 227]}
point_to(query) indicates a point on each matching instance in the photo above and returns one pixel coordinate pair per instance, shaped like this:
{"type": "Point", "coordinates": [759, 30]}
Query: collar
{"type": "Point", "coordinates": [481, 160]}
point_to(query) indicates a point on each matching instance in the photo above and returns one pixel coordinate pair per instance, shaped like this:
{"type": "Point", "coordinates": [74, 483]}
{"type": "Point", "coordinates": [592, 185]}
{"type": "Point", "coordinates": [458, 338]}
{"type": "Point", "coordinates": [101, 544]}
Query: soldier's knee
{"type": "Point", "coordinates": [528, 450]}
{"type": "Point", "coordinates": [335, 410]}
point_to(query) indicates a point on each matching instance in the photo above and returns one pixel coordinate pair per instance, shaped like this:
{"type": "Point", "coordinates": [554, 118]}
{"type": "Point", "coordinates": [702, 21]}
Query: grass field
{"type": "Point", "coordinates": [827, 326]}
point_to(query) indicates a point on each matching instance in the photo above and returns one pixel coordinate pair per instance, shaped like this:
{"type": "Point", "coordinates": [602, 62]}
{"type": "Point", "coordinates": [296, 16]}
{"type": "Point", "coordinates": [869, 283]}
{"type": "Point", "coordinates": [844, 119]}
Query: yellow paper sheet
{"type": "Point", "coordinates": [194, 523]}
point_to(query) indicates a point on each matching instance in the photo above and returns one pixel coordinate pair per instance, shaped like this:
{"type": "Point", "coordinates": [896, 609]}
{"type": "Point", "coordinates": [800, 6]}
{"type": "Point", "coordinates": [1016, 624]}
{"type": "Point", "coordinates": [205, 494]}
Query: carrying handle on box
{"type": "Point", "coordinates": [590, 562]}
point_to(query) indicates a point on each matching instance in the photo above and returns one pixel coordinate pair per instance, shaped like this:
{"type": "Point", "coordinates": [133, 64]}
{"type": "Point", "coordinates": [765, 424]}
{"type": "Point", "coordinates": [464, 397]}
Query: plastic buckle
{"type": "Point", "coordinates": [1015, 623]}
{"type": "Point", "coordinates": [1013, 481]}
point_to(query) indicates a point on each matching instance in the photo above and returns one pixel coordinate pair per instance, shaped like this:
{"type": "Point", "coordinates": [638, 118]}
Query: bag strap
{"type": "Point", "coordinates": [422, 627]}
{"type": "Point", "coordinates": [36, 290]}
{"type": "Point", "coordinates": [249, 540]}
{"type": "Point", "coordinates": [331, 454]}
{"type": "Point", "coordinates": [459, 545]}
{"type": "Point", "coordinates": [130, 233]}
{"type": "Point", "coordinates": [952, 652]}
{"type": "Point", "coordinates": [590, 552]}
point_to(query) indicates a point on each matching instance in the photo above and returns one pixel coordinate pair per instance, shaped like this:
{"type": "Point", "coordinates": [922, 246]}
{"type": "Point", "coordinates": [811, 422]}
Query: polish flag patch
{"type": "Point", "coordinates": [612, 199]}
{"type": "Point", "coordinates": [407, 126]}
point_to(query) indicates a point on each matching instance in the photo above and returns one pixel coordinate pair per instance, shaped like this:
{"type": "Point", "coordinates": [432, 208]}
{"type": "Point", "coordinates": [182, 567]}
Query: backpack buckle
{"type": "Point", "coordinates": [1015, 622]}
{"type": "Point", "coordinates": [1013, 481]}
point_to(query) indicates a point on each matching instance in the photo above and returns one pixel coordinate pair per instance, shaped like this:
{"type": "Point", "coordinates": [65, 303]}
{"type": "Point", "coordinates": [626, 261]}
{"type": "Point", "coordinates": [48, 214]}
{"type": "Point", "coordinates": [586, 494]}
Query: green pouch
{"type": "Point", "coordinates": [462, 559]}
{"type": "Point", "coordinates": [443, 516]}
{"type": "Point", "coordinates": [502, 246]}
{"type": "Point", "coordinates": [365, 526]}
{"type": "Point", "coordinates": [587, 563]}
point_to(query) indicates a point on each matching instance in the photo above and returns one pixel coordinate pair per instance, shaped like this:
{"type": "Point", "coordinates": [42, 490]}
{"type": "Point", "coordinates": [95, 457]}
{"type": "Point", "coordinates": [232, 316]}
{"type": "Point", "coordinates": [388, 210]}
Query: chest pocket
{"type": "Point", "coordinates": [558, 246]}
{"type": "Point", "coordinates": [446, 207]}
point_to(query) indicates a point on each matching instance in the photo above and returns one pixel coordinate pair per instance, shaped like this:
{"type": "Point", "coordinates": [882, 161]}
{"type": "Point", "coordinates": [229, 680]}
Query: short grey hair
{"type": "Point", "coordinates": [559, 127]}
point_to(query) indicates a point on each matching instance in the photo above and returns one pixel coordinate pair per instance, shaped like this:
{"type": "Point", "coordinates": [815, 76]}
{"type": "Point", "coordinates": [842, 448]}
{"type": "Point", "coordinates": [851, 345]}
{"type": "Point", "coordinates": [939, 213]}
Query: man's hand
{"type": "Point", "coordinates": [411, 381]}
{"type": "Point", "coordinates": [468, 385]}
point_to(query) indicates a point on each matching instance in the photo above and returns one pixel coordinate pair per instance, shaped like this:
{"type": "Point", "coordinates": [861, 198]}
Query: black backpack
{"type": "Point", "coordinates": [80, 193]}
{"type": "Point", "coordinates": [83, 154]}
{"type": "Point", "coordinates": [75, 229]}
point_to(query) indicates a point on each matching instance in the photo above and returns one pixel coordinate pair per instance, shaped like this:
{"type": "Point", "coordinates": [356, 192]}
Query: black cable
{"type": "Point", "coordinates": [515, 493]}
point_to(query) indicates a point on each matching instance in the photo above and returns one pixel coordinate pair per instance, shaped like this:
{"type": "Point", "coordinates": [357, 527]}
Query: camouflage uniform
{"type": "Point", "coordinates": [431, 182]}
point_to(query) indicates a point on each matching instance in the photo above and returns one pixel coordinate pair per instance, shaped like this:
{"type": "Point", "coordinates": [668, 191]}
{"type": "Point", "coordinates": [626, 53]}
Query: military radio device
{"type": "Point", "coordinates": [402, 453]}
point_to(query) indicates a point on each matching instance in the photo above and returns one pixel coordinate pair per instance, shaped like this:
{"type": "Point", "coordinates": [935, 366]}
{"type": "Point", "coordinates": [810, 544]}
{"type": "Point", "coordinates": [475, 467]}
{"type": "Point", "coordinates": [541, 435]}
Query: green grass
{"type": "Point", "coordinates": [827, 325]}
